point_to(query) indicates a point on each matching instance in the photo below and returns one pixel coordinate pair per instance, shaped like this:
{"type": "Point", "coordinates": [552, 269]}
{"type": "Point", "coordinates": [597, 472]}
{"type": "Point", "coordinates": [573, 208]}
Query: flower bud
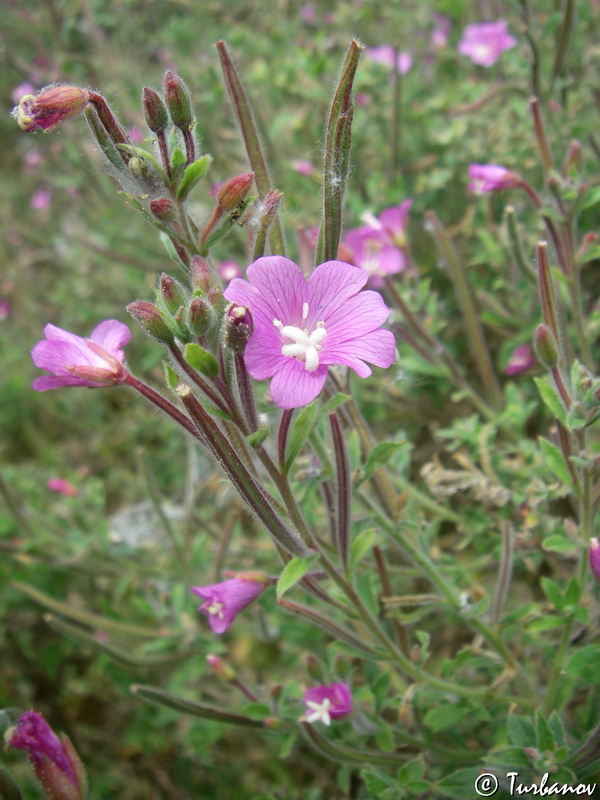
{"type": "Point", "coordinates": [224, 671]}
{"type": "Point", "coordinates": [545, 346]}
{"type": "Point", "coordinates": [595, 557]}
{"type": "Point", "coordinates": [50, 107]}
{"type": "Point", "coordinates": [155, 110]}
{"type": "Point", "coordinates": [270, 207]}
{"type": "Point", "coordinates": [233, 192]}
{"type": "Point", "coordinates": [56, 764]}
{"type": "Point", "coordinates": [172, 293]}
{"type": "Point", "coordinates": [238, 327]}
{"type": "Point", "coordinates": [202, 276]}
{"type": "Point", "coordinates": [151, 320]}
{"type": "Point", "coordinates": [178, 102]}
{"type": "Point", "coordinates": [163, 209]}
{"type": "Point", "coordinates": [200, 316]}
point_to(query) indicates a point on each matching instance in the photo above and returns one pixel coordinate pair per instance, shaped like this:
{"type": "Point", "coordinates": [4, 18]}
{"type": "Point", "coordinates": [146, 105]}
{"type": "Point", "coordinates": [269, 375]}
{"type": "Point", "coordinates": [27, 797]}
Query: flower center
{"type": "Point", "coordinates": [305, 344]}
{"type": "Point", "coordinates": [319, 712]}
{"type": "Point", "coordinates": [216, 609]}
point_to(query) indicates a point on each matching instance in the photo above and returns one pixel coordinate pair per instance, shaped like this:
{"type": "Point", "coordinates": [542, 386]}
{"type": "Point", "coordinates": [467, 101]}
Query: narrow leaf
{"type": "Point", "coordinates": [200, 359]}
{"type": "Point", "coordinates": [380, 455]}
{"type": "Point", "coordinates": [301, 428]}
{"type": "Point", "coordinates": [194, 172]}
{"type": "Point", "coordinates": [361, 545]}
{"type": "Point", "coordinates": [154, 695]}
{"type": "Point", "coordinates": [295, 569]}
{"type": "Point", "coordinates": [551, 399]}
{"type": "Point", "coordinates": [555, 461]}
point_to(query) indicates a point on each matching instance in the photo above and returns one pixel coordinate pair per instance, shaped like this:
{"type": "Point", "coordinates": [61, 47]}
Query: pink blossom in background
{"type": "Point", "coordinates": [362, 99]}
{"type": "Point", "coordinates": [327, 702]}
{"type": "Point", "coordinates": [74, 361]}
{"type": "Point", "coordinates": [308, 13]}
{"type": "Point", "coordinates": [214, 192]}
{"type": "Point", "coordinates": [441, 31]}
{"type": "Point", "coordinates": [32, 160]}
{"type": "Point", "coordinates": [61, 486]}
{"type": "Point", "coordinates": [522, 358]}
{"type": "Point", "coordinates": [303, 326]}
{"type": "Point", "coordinates": [379, 247]}
{"type": "Point", "coordinates": [303, 167]}
{"type": "Point", "coordinates": [4, 309]}
{"type": "Point", "coordinates": [228, 270]}
{"type": "Point", "coordinates": [135, 135]}
{"type": "Point", "coordinates": [384, 54]}
{"type": "Point", "coordinates": [225, 600]}
{"type": "Point", "coordinates": [485, 42]}
{"type": "Point", "coordinates": [21, 90]}
{"type": "Point", "coordinates": [41, 199]}
{"type": "Point", "coordinates": [594, 556]}
{"type": "Point", "coordinates": [491, 178]}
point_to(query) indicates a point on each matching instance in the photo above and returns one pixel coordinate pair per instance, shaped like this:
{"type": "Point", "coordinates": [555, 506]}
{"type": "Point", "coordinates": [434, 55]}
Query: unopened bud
{"type": "Point", "coordinates": [238, 327]}
{"type": "Point", "coordinates": [595, 557]}
{"type": "Point", "coordinates": [270, 207]}
{"type": "Point", "coordinates": [151, 320]}
{"type": "Point", "coordinates": [163, 209]}
{"type": "Point", "coordinates": [545, 346]}
{"type": "Point", "coordinates": [172, 293]}
{"type": "Point", "coordinates": [202, 276]}
{"type": "Point", "coordinates": [50, 107]}
{"type": "Point", "coordinates": [233, 192]}
{"type": "Point", "coordinates": [224, 671]}
{"type": "Point", "coordinates": [573, 159]}
{"type": "Point", "coordinates": [178, 102]}
{"type": "Point", "coordinates": [155, 110]}
{"type": "Point", "coordinates": [200, 316]}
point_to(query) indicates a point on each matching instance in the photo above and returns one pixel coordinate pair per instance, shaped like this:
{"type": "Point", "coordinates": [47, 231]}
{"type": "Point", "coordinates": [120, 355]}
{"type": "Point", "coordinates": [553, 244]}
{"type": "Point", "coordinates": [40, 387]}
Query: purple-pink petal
{"type": "Point", "coordinates": [330, 286]}
{"type": "Point", "coordinates": [338, 694]}
{"type": "Point", "coordinates": [293, 386]}
{"type": "Point", "coordinates": [361, 314]}
{"type": "Point", "coordinates": [232, 596]}
{"type": "Point", "coordinates": [112, 335]}
{"type": "Point", "coordinates": [282, 287]}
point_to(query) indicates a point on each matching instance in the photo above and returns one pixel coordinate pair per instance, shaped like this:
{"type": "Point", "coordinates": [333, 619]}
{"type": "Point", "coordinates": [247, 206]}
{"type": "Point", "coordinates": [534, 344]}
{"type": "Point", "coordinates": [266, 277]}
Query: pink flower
{"type": "Point", "coordinates": [54, 759]}
{"type": "Point", "coordinates": [301, 327]}
{"type": "Point", "coordinates": [595, 557]}
{"type": "Point", "coordinates": [228, 270]}
{"type": "Point", "coordinates": [41, 199]}
{"type": "Point", "coordinates": [324, 703]}
{"type": "Point", "coordinates": [484, 43]}
{"type": "Point", "coordinates": [380, 246]}
{"type": "Point", "coordinates": [4, 309]}
{"type": "Point", "coordinates": [492, 178]}
{"type": "Point", "coordinates": [22, 89]}
{"type": "Point", "coordinates": [441, 31]}
{"type": "Point", "coordinates": [225, 600]}
{"type": "Point", "coordinates": [62, 486]}
{"type": "Point", "coordinates": [308, 13]}
{"type": "Point", "coordinates": [384, 54]}
{"type": "Point", "coordinates": [522, 358]}
{"type": "Point", "coordinates": [303, 167]}
{"type": "Point", "coordinates": [50, 107]}
{"type": "Point", "coordinates": [74, 361]}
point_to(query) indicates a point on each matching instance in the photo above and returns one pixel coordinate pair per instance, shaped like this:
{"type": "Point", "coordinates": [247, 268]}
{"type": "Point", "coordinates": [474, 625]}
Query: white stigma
{"type": "Point", "coordinates": [305, 345]}
{"type": "Point", "coordinates": [319, 712]}
{"type": "Point", "coordinates": [215, 609]}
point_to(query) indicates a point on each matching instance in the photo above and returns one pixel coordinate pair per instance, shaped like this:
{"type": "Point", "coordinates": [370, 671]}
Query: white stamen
{"type": "Point", "coordinates": [216, 609]}
{"type": "Point", "coordinates": [319, 712]}
{"type": "Point", "coordinates": [304, 346]}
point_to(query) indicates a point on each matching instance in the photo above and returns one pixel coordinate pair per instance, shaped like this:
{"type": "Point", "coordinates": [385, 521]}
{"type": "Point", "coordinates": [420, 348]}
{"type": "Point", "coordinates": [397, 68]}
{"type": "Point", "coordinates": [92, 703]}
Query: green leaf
{"type": "Point", "coordinates": [194, 172]}
{"type": "Point", "coordinates": [376, 781]}
{"type": "Point", "coordinates": [385, 739]}
{"type": "Point", "coordinates": [584, 663]}
{"type": "Point", "coordinates": [589, 198]}
{"type": "Point", "coordinates": [334, 402]}
{"type": "Point", "coordinates": [553, 593]}
{"type": "Point", "coordinates": [164, 237]}
{"type": "Point", "coordinates": [459, 785]}
{"type": "Point", "coordinates": [544, 738]}
{"type": "Point", "coordinates": [200, 359]}
{"type": "Point", "coordinates": [301, 428]}
{"type": "Point", "coordinates": [545, 624]}
{"type": "Point", "coordinates": [258, 711]}
{"type": "Point", "coordinates": [555, 461]}
{"type": "Point", "coordinates": [361, 545]}
{"type": "Point", "coordinates": [551, 399]}
{"type": "Point", "coordinates": [573, 593]}
{"type": "Point", "coordinates": [295, 569]}
{"type": "Point", "coordinates": [144, 154]}
{"type": "Point", "coordinates": [154, 695]}
{"type": "Point", "coordinates": [445, 715]}
{"type": "Point", "coordinates": [9, 789]}
{"type": "Point", "coordinates": [258, 437]}
{"type": "Point", "coordinates": [177, 159]}
{"type": "Point", "coordinates": [172, 379]}
{"type": "Point", "coordinates": [520, 730]}
{"type": "Point", "coordinates": [557, 728]}
{"type": "Point", "coordinates": [558, 544]}
{"type": "Point", "coordinates": [380, 455]}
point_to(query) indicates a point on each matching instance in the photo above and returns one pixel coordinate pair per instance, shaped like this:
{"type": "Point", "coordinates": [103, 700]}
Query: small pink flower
{"type": "Point", "coordinates": [50, 107]}
{"type": "Point", "coordinates": [384, 54]}
{"type": "Point", "coordinates": [327, 702]}
{"type": "Point", "coordinates": [595, 557]}
{"type": "Point", "coordinates": [522, 358]}
{"type": "Point", "coordinates": [62, 486]}
{"type": "Point", "coordinates": [228, 270]}
{"type": "Point", "coordinates": [56, 764]}
{"type": "Point", "coordinates": [303, 326]}
{"type": "Point", "coordinates": [440, 33]}
{"type": "Point", "coordinates": [362, 99]}
{"type": "Point", "coordinates": [308, 13]}
{"type": "Point", "coordinates": [484, 43]}
{"type": "Point", "coordinates": [136, 136]}
{"type": "Point", "coordinates": [4, 309]}
{"type": "Point", "coordinates": [225, 600]}
{"type": "Point", "coordinates": [41, 200]}
{"type": "Point", "coordinates": [74, 361]}
{"type": "Point", "coordinates": [303, 167]}
{"type": "Point", "coordinates": [492, 178]}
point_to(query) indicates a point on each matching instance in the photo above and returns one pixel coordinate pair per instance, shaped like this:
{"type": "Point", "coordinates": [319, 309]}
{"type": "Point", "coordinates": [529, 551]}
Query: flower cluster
{"type": "Point", "coordinates": [380, 246]}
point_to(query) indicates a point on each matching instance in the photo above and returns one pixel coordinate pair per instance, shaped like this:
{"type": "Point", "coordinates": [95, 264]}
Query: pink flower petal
{"type": "Point", "coordinates": [330, 286]}
{"type": "Point", "coordinates": [282, 287]}
{"type": "Point", "coordinates": [293, 386]}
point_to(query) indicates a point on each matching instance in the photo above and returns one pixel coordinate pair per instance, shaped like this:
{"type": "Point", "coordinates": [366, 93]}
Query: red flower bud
{"type": "Point", "coordinates": [233, 191]}
{"type": "Point", "coordinates": [178, 102]}
{"type": "Point", "coordinates": [50, 107]}
{"type": "Point", "coordinates": [155, 111]}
